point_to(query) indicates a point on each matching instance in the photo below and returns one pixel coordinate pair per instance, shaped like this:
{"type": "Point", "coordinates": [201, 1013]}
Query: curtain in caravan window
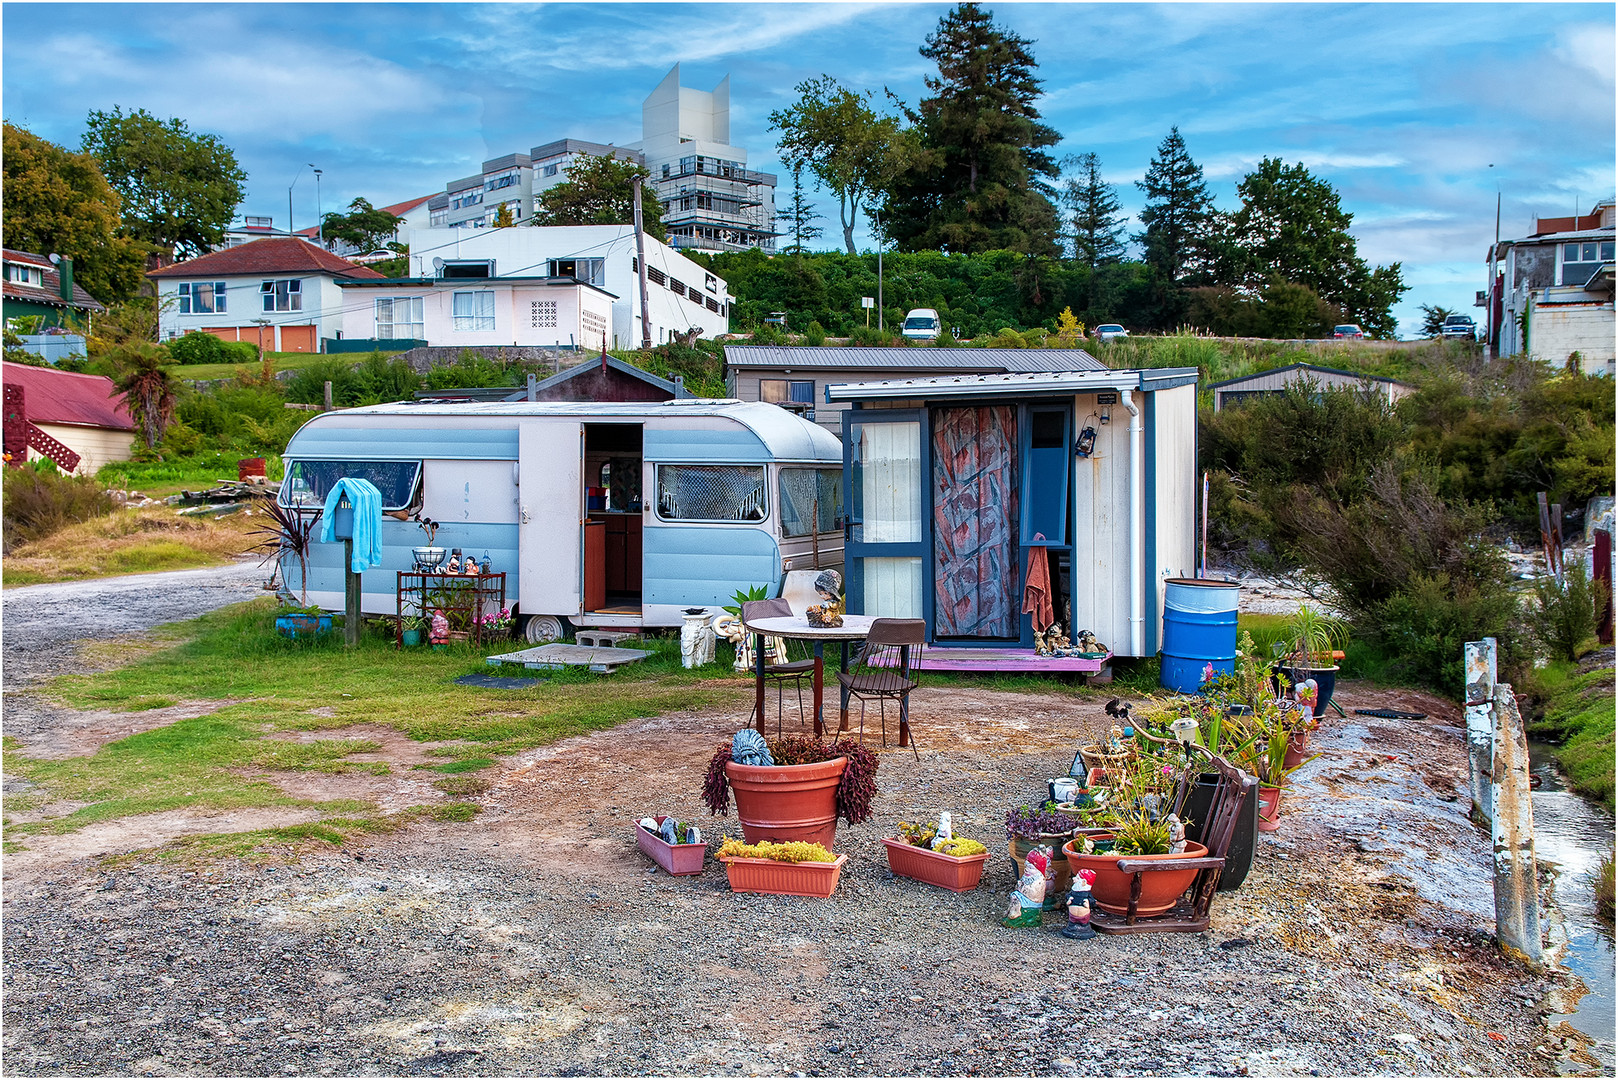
{"type": "Point", "coordinates": [474, 310]}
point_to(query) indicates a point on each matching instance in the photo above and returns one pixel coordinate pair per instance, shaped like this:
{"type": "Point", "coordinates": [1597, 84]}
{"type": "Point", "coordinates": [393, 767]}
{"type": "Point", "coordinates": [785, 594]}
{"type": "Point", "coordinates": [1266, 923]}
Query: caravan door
{"type": "Point", "coordinates": [550, 516]}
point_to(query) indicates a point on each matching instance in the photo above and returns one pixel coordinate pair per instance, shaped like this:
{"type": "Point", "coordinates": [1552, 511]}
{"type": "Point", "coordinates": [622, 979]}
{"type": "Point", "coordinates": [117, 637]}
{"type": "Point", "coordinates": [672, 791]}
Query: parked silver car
{"type": "Point", "coordinates": [1110, 331]}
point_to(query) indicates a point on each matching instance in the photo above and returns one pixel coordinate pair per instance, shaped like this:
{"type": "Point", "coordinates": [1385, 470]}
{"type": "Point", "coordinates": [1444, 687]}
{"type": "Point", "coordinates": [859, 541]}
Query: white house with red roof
{"type": "Point", "coordinates": [279, 293]}
{"type": "Point", "coordinates": [49, 411]}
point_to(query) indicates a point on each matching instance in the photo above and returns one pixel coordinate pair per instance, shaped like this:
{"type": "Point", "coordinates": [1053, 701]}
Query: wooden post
{"type": "Point", "coordinates": [640, 261]}
{"type": "Point", "coordinates": [1481, 673]}
{"type": "Point", "coordinates": [326, 396]}
{"type": "Point", "coordinates": [351, 595]}
{"type": "Point", "coordinates": [1516, 883]}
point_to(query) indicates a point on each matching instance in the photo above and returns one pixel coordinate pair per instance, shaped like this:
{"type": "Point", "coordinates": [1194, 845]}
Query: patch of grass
{"type": "Point", "coordinates": [283, 361]}
{"type": "Point", "coordinates": [256, 845]}
{"type": "Point", "coordinates": [461, 786]}
{"type": "Point", "coordinates": [322, 755]}
{"type": "Point", "coordinates": [1604, 890]}
{"type": "Point", "coordinates": [464, 765]}
{"type": "Point", "coordinates": [1578, 712]}
{"type": "Point", "coordinates": [133, 541]}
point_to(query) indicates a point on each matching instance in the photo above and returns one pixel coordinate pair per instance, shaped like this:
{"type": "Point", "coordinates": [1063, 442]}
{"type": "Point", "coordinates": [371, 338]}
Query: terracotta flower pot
{"type": "Point", "coordinates": [784, 878]}
{"type": "Point", "coordinates": [1269, 808]}
{"type": "Point", "coordinates": [1159, 889]}
{"type": "Point", "coordinates": [1064, 876]}
{"type": "Point", "coordinates": [958, 874]}
{"type": "Point", "coordinates": [787, 802]}
{"type": "Point", "coordinates": [1297, 749]}
{"type": "Point", "coordinates": [677, 859]}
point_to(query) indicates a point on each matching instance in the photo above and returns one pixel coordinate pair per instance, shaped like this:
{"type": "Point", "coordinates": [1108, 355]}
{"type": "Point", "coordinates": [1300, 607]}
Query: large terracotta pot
{"type": "Point", "coordinates": [1064, 876]}
{"type": "Point", "coordinates": [1269, 808]}
{"type": "Point", "coordinates": [1159, 889]}
{"type": "Point", "coordinates": [787, 802]}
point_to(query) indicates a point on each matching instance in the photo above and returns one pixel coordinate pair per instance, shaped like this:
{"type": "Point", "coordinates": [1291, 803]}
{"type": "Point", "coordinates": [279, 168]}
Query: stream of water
{"type": "Point", "coordinates": [1575, 834]}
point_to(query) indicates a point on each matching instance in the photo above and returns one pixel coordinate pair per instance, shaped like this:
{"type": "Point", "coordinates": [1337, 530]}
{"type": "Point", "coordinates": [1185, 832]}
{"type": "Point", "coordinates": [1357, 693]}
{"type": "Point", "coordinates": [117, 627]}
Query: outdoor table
{"type": "Point", "coordinates": [797, 628]}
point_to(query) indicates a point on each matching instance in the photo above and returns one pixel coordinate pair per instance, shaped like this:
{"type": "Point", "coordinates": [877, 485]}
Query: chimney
{"type": "Point", "coordinates": [64, 272]}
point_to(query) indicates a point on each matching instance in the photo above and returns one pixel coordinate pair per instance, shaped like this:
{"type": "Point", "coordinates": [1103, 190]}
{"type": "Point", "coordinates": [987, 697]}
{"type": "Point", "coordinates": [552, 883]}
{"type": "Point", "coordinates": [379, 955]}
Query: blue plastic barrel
{"type": "Point", "coordinates": [1199, 628]}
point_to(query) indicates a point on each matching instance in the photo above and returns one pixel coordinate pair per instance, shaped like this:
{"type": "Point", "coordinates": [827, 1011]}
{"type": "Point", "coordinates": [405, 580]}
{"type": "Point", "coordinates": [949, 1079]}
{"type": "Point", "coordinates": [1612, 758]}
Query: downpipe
{"type": "Point", "coordinates": [1137, 526]}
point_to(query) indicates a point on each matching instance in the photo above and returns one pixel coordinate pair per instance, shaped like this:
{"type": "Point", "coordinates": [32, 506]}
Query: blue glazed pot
{"type": "Point", "coordinates": [307, 625]}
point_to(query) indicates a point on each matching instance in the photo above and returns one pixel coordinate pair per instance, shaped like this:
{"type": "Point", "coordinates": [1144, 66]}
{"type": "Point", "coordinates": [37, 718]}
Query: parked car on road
{"type": "Point", "coordinates": [1347, 330]}
{"type": "Point", "coordinates": [1110, 331]}
{"type": "Point", "coordinates": [1459, 326]}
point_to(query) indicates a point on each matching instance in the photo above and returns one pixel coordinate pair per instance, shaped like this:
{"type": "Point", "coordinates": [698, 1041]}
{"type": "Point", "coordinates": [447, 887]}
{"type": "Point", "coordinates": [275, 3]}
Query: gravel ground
{"type": "Point", "coordinates": [536, 940]}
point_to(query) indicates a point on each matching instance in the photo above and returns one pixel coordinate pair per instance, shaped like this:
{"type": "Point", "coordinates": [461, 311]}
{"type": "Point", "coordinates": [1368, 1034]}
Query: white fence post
{"type": "Point", "coordinates": [1481, 672]}
{"type": "Point", "coordinates": [1516, 883]}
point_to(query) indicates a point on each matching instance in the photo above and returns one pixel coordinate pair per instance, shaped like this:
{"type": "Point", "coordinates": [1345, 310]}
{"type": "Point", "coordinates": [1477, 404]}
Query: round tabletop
{"type": "Point", "coordinates": [854, 628]}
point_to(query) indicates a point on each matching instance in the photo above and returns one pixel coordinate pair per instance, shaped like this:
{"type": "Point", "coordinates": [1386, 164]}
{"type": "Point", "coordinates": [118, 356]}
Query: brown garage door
{"type": "Point", "coordinates": [298, 339]}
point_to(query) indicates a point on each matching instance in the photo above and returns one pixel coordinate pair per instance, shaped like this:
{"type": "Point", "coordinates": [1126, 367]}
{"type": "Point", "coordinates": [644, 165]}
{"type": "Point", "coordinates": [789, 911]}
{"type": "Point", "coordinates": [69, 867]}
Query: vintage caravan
{"type": "Point", "coordinates": [600, 514]}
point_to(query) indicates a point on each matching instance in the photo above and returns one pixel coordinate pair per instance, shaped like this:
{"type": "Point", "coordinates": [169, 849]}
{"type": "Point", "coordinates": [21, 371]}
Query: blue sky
{"type": "Point", "coordinates": [1417, 114]}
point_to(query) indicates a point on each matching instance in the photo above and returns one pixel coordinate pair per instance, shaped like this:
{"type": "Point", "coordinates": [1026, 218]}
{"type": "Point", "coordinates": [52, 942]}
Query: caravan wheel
{"type": "Point", "coordinates": [543, 628]}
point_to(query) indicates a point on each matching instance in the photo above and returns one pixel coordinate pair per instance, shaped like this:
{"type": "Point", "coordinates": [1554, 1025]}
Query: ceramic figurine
{"type": "Point", "coordinates": [829, 584]}
{"type": "Point", "coordinates": [945, 833]}
{"type": "Point", "coordinates": [697, 639]}
{"type": "Point", "coordinates": [670, 832]}
{"type": "Point", "coordinates": [488, 564]}
{"type": "Point", "coordinates": [693, 835]}
{"type": "Point", "coordinates": [438, 633]}
{"type": "Point", "coordinates": [649, 824]}
{"type": "Point", "coordinates": [747, 747]}
{"type": "Point", "coordinates": [1078, 907]}
{"type": "Point", "coordinates": [1176, 835]}
{"type": "Point", "coordinates": [1028, 898]}
{"type": "Point", "coordinates": [454, 564]}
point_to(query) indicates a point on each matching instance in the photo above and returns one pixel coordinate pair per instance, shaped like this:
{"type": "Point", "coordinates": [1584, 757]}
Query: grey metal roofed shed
{"type": "Point", "coordinates": [1278, 379]}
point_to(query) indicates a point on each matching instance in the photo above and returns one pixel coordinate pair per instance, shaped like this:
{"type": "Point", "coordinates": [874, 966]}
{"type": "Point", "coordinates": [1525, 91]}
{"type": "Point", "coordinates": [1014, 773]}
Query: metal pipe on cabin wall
{"type": "Point", "coordinates": [1137, 526]}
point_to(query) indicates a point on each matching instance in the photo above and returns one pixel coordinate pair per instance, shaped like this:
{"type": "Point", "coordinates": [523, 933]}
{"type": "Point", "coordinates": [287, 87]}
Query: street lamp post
{"type": "Point", "coordinates": [320, 219]}
{"type": "Point", "coordinates": [289, 194]}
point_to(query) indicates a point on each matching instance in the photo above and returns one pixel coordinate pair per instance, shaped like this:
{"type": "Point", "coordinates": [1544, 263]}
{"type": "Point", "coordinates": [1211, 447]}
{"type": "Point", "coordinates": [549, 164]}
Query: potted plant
{"type": "Point", "coordinates": [308, 620]}
{"type": "Point", "coordinates": [1266, 758]}
{"type": "Point", "coordinates": [1136, 835]}
{"type": "Point", "coordinates": [950, 862]}
{"type": "Point", "coordinates": [1028, 827]}
{"type": "Point", "coordinates": [410, 630]}
{"type": "Point", "coordinates": [794, 868]}
{"type": "Point", "coordinates": [683, 855]}
{"type": "Point", "coordinates": [791, 789]}
{"type": "Point", "coordinates": [496, 624]}
{"type": "Point", "coordinates": [1311, 639]}
{"type": "Point", "coordinates": [428, 558]}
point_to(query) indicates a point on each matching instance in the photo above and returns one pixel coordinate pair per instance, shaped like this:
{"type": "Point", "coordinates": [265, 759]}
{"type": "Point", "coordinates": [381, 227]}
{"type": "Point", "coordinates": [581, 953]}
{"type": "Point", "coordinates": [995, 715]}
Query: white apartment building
{"type": "Point", "coordinates": [680, 295]}
{"type": "Point", "coordinates": [711, 200]}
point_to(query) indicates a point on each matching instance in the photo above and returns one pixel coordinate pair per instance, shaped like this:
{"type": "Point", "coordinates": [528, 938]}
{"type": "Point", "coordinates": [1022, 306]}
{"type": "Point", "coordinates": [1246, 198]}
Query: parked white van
{"type": "Point", "coordinates": [921, 324]}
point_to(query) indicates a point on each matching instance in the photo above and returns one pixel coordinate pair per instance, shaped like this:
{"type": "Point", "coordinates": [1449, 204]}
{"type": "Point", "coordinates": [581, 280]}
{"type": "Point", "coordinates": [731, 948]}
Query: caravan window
{"type": "Point", "coordinates": [711, 493]}
{"type": "Point", "coordinates": [801, 491]}
{"type": "Point", "coordinates": [308, 482]}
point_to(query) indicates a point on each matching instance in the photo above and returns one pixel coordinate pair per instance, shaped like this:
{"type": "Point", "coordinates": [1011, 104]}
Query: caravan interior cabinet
{"type": "Point", "coordinates": [623, 551]}
{"type": "Point", "coordinates": [595, 565]}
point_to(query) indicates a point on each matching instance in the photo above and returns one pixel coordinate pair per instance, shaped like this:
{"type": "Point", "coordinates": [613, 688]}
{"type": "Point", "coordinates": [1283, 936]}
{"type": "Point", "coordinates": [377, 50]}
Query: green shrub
{"type": "Point", "coordinates": [199, 347]}
{"type": "Point", "coordinates": [870, 336]}
{"type": "Point", "coordinates": [39, 502]}
{"type": "Point", "coordinates": [1563, 615]}
{"type": "Point", "coordinates": [1424, 628]}
{"type": "Point", "coordinates": [815, 335]}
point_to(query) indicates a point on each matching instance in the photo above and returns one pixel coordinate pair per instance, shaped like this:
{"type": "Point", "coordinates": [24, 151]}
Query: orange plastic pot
{"type": "Point", "coordinates": [787, 802]}
{"type": "Point", "coordinates": [1297, 749]}
{"type": "Point", "coordinates": [957, 874]}
{"type": "Point", "coordinates": [1159, 889]}
{"type": "Point", "coordinates": [677, 859]}
{"type": "Point", "coordinates": [784, 878]}
{"type": "Point", "coordinates": [1269, 808]}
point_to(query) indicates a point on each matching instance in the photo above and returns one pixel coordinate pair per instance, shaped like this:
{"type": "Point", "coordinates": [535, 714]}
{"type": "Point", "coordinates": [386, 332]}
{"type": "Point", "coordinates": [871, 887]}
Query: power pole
{"type": "Point", "coordinates": [879, 246]}
{"type": "Point", "coordinates": [640, 259]}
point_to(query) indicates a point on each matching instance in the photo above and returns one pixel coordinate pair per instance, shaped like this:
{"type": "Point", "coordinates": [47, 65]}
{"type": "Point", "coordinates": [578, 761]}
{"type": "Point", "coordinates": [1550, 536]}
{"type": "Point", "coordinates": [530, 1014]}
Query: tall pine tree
{"type": "Point", "coordinates": [799, 216]}
{"type": "Point", "coordinates": [1179, 215]}
{"type": "Point", "coordinates": [980, 181]}
{"type": "Point", "coordinates": [1097, 217]}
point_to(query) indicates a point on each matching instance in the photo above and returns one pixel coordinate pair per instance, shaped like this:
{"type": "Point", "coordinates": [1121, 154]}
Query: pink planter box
{"type": "Point", "coordinates": [784, 878]}
{"type": "Point", "coordinates": [677, 859]}
{"type": "Point", "coordinates": [934, 867]}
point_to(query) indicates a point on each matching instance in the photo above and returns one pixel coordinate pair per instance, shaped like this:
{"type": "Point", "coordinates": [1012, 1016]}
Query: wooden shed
{"type": "Point", "coordinates": [958, 488]}
{"type": "Point", "coordinates": [79, 421]}
{"type": "Point", "coordinates": [1276, 380]}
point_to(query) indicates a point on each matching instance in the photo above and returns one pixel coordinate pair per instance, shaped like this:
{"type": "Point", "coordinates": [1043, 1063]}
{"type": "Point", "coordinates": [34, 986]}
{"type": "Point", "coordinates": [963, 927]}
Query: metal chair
{"type": "Point", "coordinates": [795, 671]}
{"type": "Point", "coordinates": [891, 655]}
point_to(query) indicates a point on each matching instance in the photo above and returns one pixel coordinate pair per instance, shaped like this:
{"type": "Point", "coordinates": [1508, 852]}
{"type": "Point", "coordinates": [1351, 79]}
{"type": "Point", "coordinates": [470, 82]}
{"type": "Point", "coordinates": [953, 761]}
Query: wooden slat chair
{"type": "Point", "coordinates": [890, 656]}
{"type": "Point", "coordinates": [795, 671]}
{"type": "Point", "coordinates": [1189, 915]}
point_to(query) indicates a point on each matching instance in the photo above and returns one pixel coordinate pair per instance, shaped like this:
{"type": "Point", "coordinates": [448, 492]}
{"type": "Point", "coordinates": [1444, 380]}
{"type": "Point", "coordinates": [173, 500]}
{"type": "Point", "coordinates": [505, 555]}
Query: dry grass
{"type": "Point", "coordinates": [130, 542]}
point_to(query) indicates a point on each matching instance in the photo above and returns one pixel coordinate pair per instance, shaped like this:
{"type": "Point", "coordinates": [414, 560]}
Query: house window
{"type": "Point", "coordinates": [468, 268]}
{"type": "Point", "coordinates": [711, 493]}
{"type": "Point", "coordinates": [202, 297]}
{"type": "Point", "coordinates": [438, 218]}
{"type": "Point", "coordinates": [550, 170]}
{"type": "Point", "coordinates": [471, 198]}
{"type": "Point", "coordinates": [1582, 258]}
{"type": "Point", "coordinates": [400, 317]}
{"type": "Point", "coordinates": [776, 391]}
{"type": "Point", "coordinates": [284, 295]}
{"type": "Point", "coordinates": [25, 275]}
{"type": "Point", "coordinates": [474, 310]}
{"type": "Point", "coordinates": [589, 271]}
{"type": "Point", "coordinates": [498, 182]}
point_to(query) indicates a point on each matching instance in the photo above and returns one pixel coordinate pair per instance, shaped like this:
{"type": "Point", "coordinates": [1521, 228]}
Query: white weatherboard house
{"type": "Point", "coordinates": [489, 312]}
{"type": "Point", "coordinates": [680, 295]}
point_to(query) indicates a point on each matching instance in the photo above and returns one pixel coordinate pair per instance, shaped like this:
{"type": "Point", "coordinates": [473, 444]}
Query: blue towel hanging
{"type": "Point", "coordinates": [366, 500]}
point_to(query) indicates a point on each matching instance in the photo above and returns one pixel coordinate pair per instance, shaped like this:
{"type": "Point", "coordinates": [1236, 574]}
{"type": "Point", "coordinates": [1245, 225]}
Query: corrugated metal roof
{"type": "Point", "coordinates": [896, 359]}
{"type": "Point", "coordinates": [1040, 382]}
{"type": "Point", "coordinates": [1307, 369]}
{"type": "Point", "coordinates": [51, 396]}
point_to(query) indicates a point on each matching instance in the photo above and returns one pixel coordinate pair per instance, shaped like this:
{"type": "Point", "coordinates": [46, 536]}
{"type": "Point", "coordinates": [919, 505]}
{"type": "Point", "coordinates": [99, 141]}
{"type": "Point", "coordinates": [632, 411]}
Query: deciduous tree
{"type": "Point", "coordinates": [364, 227]}
{"type": "Point", "coordinates": [849, 148]}
{"type": "Point", "coordinates": [600, 191]}
{"type": "Point", "coordinates": [58, 202]}
{"type": "Point", "coordinates": [980, 181]}
{"type": "Point", "coordinates": [180, 189]}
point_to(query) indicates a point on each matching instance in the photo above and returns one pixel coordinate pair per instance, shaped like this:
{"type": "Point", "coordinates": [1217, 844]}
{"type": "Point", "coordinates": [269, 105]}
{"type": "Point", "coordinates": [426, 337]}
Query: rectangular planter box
{"type": "Point", "coordinates": [934, 867]}
{"type": "Point", "coordinates": [677, 859]}
{"type": "Point", "coordinates": [783, 878]}
{"type": "Point", "coordinates": [309, 625]}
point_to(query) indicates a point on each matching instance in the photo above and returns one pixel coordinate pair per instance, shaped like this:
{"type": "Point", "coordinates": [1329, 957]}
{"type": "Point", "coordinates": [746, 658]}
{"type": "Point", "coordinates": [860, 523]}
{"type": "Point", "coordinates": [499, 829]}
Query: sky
{"type": "Point", "coordinates": [1421, 116]}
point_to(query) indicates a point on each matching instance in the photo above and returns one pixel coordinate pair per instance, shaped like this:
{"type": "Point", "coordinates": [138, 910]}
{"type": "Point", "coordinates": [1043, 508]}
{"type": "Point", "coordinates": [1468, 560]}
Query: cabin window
{"type": "Point", "coordinates": [811, 495]}
{"type": "Point", "coordinates": [776, 391]}
{"type": "Point", "coordinates": [473, 311]}
{"type": "Point", "coordinates": [308, 482]}
{"type": "Point", "coordinates": [711, 493]}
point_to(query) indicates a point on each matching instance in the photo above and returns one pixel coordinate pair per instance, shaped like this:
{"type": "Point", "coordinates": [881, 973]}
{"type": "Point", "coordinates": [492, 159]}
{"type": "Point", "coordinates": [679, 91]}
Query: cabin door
{"type": "Point", "coordinates": [550, 516]}
{"type": "Point", "coordinates": [884, 548]}
{"type": "Point", "coordinates": [975, 574]}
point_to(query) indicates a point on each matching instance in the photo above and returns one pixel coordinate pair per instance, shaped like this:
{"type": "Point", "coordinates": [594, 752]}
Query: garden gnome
{"type": "Point", "coordinates": [1078, 907]}
{"type": "Point", "coordinates": [438, 632]}
{"type": "Point", "coordinates": [1028, 898]}
{"type": "Point", "coordinates": [1176, 835]}
{"type": "Point", "coordinates": [454, 566]}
